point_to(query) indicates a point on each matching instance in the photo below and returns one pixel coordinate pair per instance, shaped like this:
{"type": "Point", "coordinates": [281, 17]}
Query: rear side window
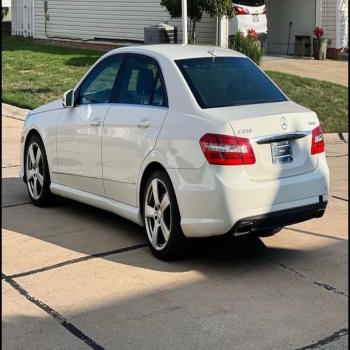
{"type": "Point", "coordinates": [141, 83]}
{"type": "Point", "coordinates": [253, 3]}
{"type": "Point", "coordinates": [228, 81]}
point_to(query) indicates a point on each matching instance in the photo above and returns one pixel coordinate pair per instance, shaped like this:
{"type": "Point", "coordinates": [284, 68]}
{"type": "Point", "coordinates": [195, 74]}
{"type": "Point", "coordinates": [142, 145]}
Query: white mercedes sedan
{"type": "Point", "coordinates": [187, 141]}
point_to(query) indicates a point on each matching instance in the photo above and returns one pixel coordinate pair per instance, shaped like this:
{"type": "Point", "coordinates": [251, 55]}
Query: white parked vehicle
{"type": "Point", "coordinates": [249, 14]}
{"type": "Point", "coordinates": [184, 140]}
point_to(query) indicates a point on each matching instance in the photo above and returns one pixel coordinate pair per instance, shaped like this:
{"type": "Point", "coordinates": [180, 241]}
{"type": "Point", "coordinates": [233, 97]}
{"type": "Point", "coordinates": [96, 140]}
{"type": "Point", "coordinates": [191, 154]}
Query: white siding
{"type": "Point", "coordinates": [329, 20]}
{"type": "Point", "coordinates": [109, 19]}
{"type": "Point", "coordinates": [343, 41]}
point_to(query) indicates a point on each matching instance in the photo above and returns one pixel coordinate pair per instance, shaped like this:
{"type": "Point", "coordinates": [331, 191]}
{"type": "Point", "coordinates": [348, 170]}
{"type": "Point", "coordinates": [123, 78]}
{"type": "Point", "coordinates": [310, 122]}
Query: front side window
{"type": "Point", "coordinates": [98, 86]}
{"type": "Point", "coordinates": [141, 83]}
{"type": "Point", "coordinates": [228, 81]}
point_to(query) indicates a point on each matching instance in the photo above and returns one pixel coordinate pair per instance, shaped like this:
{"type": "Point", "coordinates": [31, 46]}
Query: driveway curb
{"type": "Point", "coordinates": [19, 113]}
{"type": "Point", "coordinates": [13, 111]}
{"type": "Point", "coordinates": [336, 137]}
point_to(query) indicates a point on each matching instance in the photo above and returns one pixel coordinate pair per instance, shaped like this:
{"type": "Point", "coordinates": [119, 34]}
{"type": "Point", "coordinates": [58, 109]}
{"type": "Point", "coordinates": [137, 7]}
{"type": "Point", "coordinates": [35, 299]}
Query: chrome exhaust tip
{"type": "Point", "coordinates": [243, 229]}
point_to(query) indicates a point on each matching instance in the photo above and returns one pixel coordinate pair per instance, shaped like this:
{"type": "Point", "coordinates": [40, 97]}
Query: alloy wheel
{"type": "Point", "coordinates": [157, 213]}
{"type": "Point", "coordinates": [34, 171]}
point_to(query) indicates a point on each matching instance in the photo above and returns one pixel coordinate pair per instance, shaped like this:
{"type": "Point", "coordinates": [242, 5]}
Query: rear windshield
{"type": "Point", "coordinates": [228, 81]}
{"type": "Point", "coordinates": [249, 2]}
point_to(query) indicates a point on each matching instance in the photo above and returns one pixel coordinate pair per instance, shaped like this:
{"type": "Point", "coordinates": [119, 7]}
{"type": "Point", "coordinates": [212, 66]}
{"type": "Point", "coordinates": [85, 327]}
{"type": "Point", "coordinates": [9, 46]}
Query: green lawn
{"type": "Point", "coordinates": [34, 74]}
{"type": "Point", "coordinates": [328, 100]}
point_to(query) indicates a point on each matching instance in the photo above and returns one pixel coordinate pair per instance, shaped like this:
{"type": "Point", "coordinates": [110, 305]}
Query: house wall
{"type": "Point", "coordinates": [329, 20]}
{"type": "Point", "coordinates": [332, 16]}
{"type": "Point", "coordinates": [343, 40]}
{"type": "Point", "coordinates": [302, 14]}
{"type": "Point", "coordinates": [109, 19]}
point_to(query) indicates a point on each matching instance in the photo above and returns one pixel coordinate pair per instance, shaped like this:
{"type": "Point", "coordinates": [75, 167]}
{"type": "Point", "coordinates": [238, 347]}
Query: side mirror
{"type": "Point", "coordinates": [68, 99]}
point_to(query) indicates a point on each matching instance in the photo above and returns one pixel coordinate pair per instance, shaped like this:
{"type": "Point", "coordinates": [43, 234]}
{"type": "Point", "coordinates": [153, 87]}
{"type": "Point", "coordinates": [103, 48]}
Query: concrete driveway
{"type": "Point", "coordinates": [75, 277]}
{"type": "Point", "coordinates": [331, 70]}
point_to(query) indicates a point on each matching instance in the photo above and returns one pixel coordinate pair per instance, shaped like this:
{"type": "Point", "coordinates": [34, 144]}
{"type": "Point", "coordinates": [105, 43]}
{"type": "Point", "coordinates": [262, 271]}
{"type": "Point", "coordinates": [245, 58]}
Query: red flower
{"type": "Point", "coordinates": [252, 34]}
{"type": "Point", "coordinates": [319, 32]}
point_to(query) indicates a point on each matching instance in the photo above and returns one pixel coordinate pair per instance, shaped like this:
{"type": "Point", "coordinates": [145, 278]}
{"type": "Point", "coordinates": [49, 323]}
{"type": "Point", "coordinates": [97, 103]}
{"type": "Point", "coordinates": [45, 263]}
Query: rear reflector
{"type": "Point", "coordinates": [227, 150]}
{"type": "Point", "coordinates": [317, 145]}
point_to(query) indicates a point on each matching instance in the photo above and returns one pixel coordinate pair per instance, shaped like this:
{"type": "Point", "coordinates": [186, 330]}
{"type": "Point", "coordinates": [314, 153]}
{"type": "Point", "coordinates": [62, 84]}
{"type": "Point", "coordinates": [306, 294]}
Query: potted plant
{"type": "Point", "coordinates": [319, 44]}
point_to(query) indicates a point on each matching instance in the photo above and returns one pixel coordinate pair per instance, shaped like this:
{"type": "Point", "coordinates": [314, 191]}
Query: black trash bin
{"type": "Point", "coordinates": [302, 45]}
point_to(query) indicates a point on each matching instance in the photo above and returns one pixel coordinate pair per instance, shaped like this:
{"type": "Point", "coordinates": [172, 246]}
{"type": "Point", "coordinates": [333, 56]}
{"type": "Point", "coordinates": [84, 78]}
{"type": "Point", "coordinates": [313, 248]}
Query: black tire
{"type": "Point", "coordinates": [45, 198]}
{"type": "Point", "coordinates": [175, 246]}
{"type": "Point", "coordinates": [267, 233]}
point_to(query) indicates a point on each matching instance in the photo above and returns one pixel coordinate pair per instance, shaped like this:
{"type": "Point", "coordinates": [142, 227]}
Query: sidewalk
{"type": "Point", "coordinates": [331, 70]}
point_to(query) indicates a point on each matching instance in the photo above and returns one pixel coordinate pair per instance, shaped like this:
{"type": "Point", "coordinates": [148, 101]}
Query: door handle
{"type": "Point", "coordinates": [143, 124]}
{"type": "Point", "coordinates": [96, 123]}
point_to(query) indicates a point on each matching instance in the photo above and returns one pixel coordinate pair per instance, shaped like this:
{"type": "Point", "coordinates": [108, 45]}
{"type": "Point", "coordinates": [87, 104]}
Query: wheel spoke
{"type": "Point", "coordinates": [155, 235]}
{"type": "Point", "coordinates": [31, 155]}
{"type": "Point", "coordinates": [40, 179]}
{"type": "Point", "coordinates": [35, 188]}
{"type": "Point", "coordinates": [155, 191]}
{"type": "Point", "coordinates": [165, 202]}
{"type": "Point", "coordinates": [38, 156]}
{"type": "Point", "coordinates": [30, 174]}
{"type": "Point", "coordinates": [165, 230]}
{"type": "Point", "coordinates": [149, 211]}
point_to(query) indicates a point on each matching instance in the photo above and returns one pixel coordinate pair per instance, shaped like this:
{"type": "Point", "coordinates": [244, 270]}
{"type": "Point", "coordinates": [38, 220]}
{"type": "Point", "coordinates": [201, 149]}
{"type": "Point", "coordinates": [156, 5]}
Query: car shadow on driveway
{"type": "Point", "coordinates": [221, 291]}
{"type": "Point", "coordinates": [87, 230]}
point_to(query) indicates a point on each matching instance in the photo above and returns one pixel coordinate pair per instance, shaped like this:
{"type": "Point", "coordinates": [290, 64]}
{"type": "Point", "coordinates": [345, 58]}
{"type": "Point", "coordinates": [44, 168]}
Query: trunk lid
{"type": "Point", "coordinates": [268, 126]}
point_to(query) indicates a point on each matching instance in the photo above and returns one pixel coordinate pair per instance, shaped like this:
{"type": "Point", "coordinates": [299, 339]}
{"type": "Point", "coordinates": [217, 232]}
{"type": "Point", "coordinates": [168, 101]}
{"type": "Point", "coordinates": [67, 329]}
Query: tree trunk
{"type": "Point", "coordinates": [194, 32]}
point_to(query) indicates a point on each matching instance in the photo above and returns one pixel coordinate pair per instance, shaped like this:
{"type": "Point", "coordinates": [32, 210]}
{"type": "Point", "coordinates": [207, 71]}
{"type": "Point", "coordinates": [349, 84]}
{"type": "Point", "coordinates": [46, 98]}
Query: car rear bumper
{"type": "Point", "coordinates": [279, 218]}
{"type": "Point", "coordinates": [213, 199]}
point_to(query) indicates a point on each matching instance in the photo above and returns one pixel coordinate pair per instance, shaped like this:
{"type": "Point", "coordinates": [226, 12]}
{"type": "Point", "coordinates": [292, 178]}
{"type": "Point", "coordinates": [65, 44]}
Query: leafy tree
{"type": "Point", "coordinates": [220, 8]}
{"type": "Point", "coordinates": [195, 10]}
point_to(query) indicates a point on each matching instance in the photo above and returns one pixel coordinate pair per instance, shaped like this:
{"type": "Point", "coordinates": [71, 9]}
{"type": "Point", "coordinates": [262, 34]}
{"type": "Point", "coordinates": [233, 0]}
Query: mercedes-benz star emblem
{"type": "Point", "coordinates": [284, 123]}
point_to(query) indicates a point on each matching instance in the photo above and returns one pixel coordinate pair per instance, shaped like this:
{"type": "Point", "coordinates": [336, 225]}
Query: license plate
{"type": "Point", "coordinates": [255, 18]}
{"type": "Point", "coordinates": [281, 152]}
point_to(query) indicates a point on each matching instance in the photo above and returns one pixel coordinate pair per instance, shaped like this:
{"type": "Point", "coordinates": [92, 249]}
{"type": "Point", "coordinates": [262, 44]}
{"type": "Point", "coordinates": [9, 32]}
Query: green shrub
{"type": "Point", "coordinates": [247, 45]}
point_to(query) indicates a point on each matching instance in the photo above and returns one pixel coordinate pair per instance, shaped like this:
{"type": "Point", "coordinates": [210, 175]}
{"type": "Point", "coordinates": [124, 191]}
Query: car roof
{"type": "Point", "coordinates": [179, 51]}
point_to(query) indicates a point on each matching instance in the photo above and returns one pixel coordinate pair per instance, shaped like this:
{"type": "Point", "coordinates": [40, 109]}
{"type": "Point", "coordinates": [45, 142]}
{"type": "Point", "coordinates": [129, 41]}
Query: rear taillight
{"type": "Point", "coordinates": [227, 150]}
{"type": "Point", "coordinates": [317, 145]}
{"type": "Point", "coordinates": [241, 11]}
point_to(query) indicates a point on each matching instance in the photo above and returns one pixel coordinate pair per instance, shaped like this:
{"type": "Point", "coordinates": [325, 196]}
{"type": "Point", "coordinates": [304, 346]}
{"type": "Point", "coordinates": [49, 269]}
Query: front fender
{"type": "Point", "coordinates": [45, 125]}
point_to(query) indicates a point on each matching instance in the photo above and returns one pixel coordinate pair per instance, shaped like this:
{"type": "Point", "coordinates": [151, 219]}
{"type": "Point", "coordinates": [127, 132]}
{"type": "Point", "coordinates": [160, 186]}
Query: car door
{"type": "Point", "coordinates": [132, 125]}
{"type": "Point", "coordinates": [79, 133]}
